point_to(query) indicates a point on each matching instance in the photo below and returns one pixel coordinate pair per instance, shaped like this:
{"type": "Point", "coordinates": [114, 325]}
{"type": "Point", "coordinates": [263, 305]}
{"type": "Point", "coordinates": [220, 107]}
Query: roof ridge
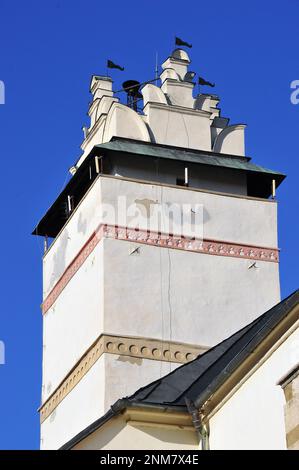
{"type": "Point", "coordinates": [235, 339]}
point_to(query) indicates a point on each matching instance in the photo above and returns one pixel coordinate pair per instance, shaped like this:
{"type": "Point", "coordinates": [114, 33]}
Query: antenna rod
{"type": "Point", "coordinates": [156, 69]}
{"type": "Point", "coordinates": [273, 189]}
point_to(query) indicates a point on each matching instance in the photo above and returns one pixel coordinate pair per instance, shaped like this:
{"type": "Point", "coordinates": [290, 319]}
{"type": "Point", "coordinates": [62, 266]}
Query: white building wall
{"type": "Point", "coordinates": [181, 296]}
{"type": "Point", "coordinates": [110, 378]}
{"type": "Point", "coordinates": [253, 418]}
{"type": "Point", "coordinates": [178, 126]}
{"type": "Point", "coordinates": [74, 321]}
{"type": "Point", "coordinates": [159, 293]}
{"type": "Point", "coordinates": [81, 407]}
{"type": "Point", "coordinates": [72, 237]}
{"type": "Point", "coordinates": [117, 435]}
{"type": "Point", "coordinates": [230, 218]}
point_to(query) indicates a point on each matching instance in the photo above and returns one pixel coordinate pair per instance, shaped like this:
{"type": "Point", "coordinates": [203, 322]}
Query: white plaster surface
{"type": "Point", "coordinates": [74, 321]}
{"type": "Point", "coordinates": [111, 377]}
{"type": "Point", "coordinates": [124, 375]}
{"type": "Point", "coordinates": [152, 93]}
{"type": "Point", "coordinates": [181, 296]}
{"type": "Point", "coordinates": [179, 126]}
{"type": "Point", "coordinates": [118, 435]}
{"type": "Point", "coordinates": [227, 218]}
{"type": "Point", "coordinates": [257, 219]}
{"type": "Point", "coordinates": [171, 113]}
{"type": "Point", "coordinates": [179, 93]}
{"type": "Point", "coordinates": [122, 121]}
{"type": "Point", "coordinates": [253, 418]}
{"type": "Point", "coordinates": [81, 407]}
{"type": "Point", "coordinates": [231, 140]}
{"type": "Point", "coordinates": [159, 293]}
{"type": "Point", "coordinates": [72, 238]}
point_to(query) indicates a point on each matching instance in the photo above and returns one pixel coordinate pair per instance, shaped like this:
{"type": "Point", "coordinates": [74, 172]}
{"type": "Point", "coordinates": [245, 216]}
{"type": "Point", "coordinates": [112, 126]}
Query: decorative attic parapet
{"type": "Point", "coordinates": [171, 115]}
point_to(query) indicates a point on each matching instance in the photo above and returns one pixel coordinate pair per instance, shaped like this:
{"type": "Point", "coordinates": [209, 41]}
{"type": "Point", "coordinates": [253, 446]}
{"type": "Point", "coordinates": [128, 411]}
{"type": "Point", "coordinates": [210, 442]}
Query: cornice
{"type": "Point", "coordinates": [177, 109]}
{"type": "Point", "coordinates": [136, 347]}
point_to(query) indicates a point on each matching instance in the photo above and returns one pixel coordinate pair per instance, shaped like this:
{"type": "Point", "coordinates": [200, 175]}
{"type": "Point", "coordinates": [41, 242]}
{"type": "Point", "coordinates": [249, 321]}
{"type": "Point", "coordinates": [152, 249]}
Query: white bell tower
{"type": "Point", "coordinates": [129, 290]}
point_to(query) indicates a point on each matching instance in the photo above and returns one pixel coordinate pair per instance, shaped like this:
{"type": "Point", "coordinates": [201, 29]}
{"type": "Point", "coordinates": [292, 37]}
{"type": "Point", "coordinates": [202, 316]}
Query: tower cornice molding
{"type": "Point", "coordinates": [130, 346]}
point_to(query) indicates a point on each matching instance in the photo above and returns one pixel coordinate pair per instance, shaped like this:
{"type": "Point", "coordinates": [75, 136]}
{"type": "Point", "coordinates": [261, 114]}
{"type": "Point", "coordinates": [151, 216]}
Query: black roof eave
{"type": "Point", "coordinates": [68, 189]}
{"type": "Point", "coordinates": [49, 226]}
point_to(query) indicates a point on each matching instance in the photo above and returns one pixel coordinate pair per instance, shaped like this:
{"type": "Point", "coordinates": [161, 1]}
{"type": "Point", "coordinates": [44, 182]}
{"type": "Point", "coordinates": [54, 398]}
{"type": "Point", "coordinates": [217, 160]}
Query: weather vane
{"type": "Point", "coordinates": [112, 65]}
{"type": "Point", "coordinates": [180, 42]}
{"type": "Point", "coordinates": [202, 81]}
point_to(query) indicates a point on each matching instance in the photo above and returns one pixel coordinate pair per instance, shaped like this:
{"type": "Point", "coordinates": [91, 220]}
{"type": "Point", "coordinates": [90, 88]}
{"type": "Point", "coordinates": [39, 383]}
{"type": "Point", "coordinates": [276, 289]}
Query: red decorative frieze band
{"type": "Point", "coordinates": [209, 247]}
{"type": "Point", "coordinates": [72, 268]}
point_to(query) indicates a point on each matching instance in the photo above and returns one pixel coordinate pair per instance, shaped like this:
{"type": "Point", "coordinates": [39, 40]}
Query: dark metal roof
{"type": "Point", "coordinates": [258, 178]}
{"type": "Point", "coordinates": [177, 153]}
{"type": "Point", "coordinates": [200, 378]}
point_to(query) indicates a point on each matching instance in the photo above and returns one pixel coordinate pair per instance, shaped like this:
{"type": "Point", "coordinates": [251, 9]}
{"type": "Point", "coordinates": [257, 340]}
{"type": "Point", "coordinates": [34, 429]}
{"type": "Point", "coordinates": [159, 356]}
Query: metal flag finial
{"type": "Point", "coordinates": [202, 81]}
{"type": "Point", "coordinates": [180, 42]}
{"type": "Point", "coordinates": [112, 65]}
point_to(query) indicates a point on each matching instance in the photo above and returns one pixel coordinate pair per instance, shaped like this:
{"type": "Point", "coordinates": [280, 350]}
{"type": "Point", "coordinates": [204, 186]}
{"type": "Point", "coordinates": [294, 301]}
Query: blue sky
{"type": "Point", "coordinates": [48, 51]}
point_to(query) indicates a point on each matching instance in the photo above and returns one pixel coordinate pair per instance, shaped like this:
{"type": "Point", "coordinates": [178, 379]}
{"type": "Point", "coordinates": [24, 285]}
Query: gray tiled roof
{"type": "Point", "coordinates": [198, 378]}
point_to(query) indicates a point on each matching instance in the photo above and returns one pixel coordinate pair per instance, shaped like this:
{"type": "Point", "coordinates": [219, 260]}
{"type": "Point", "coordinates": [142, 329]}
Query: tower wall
{"type": "Point", "coordinates": [122, 308]}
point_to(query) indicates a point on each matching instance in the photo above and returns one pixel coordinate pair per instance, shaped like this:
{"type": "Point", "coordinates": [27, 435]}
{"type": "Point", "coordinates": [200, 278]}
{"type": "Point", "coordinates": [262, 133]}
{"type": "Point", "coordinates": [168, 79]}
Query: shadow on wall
{"type": "Point", "coordinates": [177, 437]}
{"type": "Point", "coordinates": [120, 435]}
